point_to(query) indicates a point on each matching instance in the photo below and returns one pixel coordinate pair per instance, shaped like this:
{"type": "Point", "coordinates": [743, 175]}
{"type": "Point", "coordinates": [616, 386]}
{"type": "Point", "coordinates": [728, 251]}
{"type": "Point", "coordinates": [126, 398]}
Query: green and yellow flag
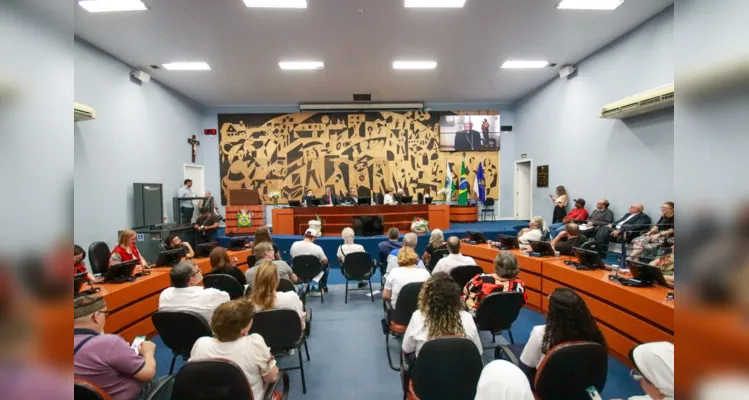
{"type": "Point", "coordinates": [463, 188]}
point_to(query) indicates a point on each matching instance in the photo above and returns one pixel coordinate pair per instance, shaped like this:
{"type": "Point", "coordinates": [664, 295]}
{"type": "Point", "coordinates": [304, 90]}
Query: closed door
{"type": "Point", "coordinates": [523, 200]}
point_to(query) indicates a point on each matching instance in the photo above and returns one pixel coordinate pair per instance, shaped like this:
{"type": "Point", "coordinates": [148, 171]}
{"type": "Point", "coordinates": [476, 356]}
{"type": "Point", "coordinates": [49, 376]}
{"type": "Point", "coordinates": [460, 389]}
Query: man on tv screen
{"type": "Point", "coordinates": [467, 139]}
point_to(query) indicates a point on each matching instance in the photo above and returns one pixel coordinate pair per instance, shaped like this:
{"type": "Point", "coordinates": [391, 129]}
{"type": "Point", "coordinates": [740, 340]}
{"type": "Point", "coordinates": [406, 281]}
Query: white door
{"type": "Point", "coordinates": [197, 174]}
{"type": "Point", "coordinates": [523, 185]}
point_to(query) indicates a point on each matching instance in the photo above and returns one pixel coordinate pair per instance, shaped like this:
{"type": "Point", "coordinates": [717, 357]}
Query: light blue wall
{"type": "Point", "coordinates": [623, 161]}
{"type": "Point", "coordinates": [209, 152]}
{"type": "Point", "coordinates": [139, 135]}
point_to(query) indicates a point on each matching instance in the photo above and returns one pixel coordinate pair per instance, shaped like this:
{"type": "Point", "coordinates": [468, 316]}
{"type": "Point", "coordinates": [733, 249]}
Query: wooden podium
{"type": "Point", "coordinates": [240, 201]}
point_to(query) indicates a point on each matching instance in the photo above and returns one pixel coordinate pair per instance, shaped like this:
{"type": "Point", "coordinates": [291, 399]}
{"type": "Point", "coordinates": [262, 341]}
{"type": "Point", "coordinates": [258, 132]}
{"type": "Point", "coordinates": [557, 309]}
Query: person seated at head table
{"type": "Point", "coordinates": [568, 239]}
{"type": "Point", "coordinates": [578, 215]}
{"type": "Point", "coordinates": [533, 233]}
{"type": "Point", "coordinates": [307, 198]}
{"type": "Point", "coordinates": [660, 235]}
{"type": "Point", "coordinates": [107, 360]}
{"type": "Point", "coordinates": [187, 293]}
{"type": "Point", "coordinates": [222, 264]}
{"type": "Point", "coordinates": [173, 242]}
{"type": "Point", "coordinates": [352, 197]}
{"type": "Point", "coordinates": [405, 273]}
{"type": "Point", "coordinates": [454, 259]}
{"type": "Point", "coordinates": [232, 341]}
{"type": "Point", "coordinates": [348, 247]}
{"type": "Point", "coordinates": [263, 235]}
{"type": "Point", "coordinates": [79, 267]}
{"type": "Point", "coordinates": [329, 198]}
{"type": "Point", "coordinates": [504, 279]}
{"type": "Point", "coordinates": [390, 198]}
{"type": "Point", "coordinates": [666, 264]}
{"type": "Point", "coordinates": [409, 240]}
{"type": "Point", "coordinates": [263, 251]}
{"type": "Point", "coordinates": [436, 242]}
{"type": "Point", "coordinates": [127, 251]}
{"type": "Point", "coordinates": [568, 320]}
{"type": "Point", "coordinates": [401, 193]}
{"type": "Point", "coordinates": [440, 313]}
{"type": "Point", "coordinates": [206, 226]}
{"type": "Point", "coordinates": [265, 294]}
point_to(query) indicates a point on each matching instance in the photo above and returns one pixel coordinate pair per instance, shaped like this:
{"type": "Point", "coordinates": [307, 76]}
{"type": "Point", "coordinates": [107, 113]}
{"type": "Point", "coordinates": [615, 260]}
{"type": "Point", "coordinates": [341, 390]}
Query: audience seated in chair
{"type": "Point", "coordinates": [186, 294]}
{"type": "Point", "coordinates": [501, 379]}
{"type": "Point", "coordinates": [533, 233]}
{"type": "Point", "coordinates": [222, 264]}
{"type": "Point", "coordinates": [633, 221]}
{"type": "Point", "coordinates": [440, 314]}
{"type": "Point", "coordinates": [348, 247]}
{"type": "Point", "coordinates": [263, 251]}
{"type": "Point", "coordinates": [568, 320]}
{"type": "Point", "coordinates": [126, 250]}
{"type": "Point", "coordinates": [654, 369]}
{"type": "Point", "coordinates": [307, 246]}
{"type": "Point", "coordinates": [504, 279]}
{"type": "Point", "coordinates": [454, 259]}
{"type": "Point", "coordinates": [666, 264]}
{"type": "Point", "coordinates": [262, 235]}
{"type": "Point", "coordinates": [566, 240]}
{"type": "Point", "coordinates": [173, 242]}
{"type": "Point", "coordinates": [389, 245]}
{"type": "Point", "coordinates": [79, 267]}
{"type": "Point", "coordinates": [409, 240]}
{"type": "Point", "coordinates": [230, 324]}
{"type": "Point", "coordinates": [577, 215]}
{"type": "Point", "coordinates": [405, 274]}
{"type": "Point", "coordinates": [660, 235]}
{"type": "Point", "coordinates": [107, 360]}
{"type": "Point", "coordinates": [265, 294]}
{"type": "Point", "coordinates": [436, 242]}
{"type": "Point", "coordinates": [601, 216]}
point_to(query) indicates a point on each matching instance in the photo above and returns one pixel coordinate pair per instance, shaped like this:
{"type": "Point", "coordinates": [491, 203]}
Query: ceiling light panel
{"type": "Point", "coordinates": [276, 3]}
{"type": "Point", "coordinates": [300, 65]}
{"type": "Point", "coordinates": [97, 6]}
{"type": "Point", "coordinates": [434, 3]}
{"type": "Point", "coordinates": [589, 4]}
{"type": "Point", "coordinates": [520, 64]}
{"type": "Point", "coordinates": [187, 66]}
{"type": "Point", "coordinates": [414, 64]}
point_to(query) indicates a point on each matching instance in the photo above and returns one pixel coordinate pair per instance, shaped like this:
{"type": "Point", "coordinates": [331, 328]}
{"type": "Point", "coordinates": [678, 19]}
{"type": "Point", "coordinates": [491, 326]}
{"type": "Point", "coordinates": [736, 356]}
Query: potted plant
{"type": "Point", "coordinates": [275, 196]}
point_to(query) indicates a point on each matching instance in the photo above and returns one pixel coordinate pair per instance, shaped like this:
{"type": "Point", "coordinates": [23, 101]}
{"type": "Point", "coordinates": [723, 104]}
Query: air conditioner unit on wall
{"type": "Point", "coordinates": [82, 112]}
{"type": "Point", "coordinates": [642, 103]}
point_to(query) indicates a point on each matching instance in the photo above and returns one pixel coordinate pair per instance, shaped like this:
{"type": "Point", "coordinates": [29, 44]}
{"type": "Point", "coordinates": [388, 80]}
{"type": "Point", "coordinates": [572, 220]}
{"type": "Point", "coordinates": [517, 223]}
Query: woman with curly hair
{"type": "Point", "coordinates": [568, 320]}
{"type": "Point", "coordinates": [440, 313]}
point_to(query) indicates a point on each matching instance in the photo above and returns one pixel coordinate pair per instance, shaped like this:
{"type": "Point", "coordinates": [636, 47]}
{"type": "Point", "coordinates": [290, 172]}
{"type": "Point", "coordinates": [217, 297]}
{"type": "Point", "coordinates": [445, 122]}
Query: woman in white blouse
{"type": "Point", "coordinates": [265, 294]}
{"type": "Point", "coordinates": [440, 313]}
{"type": "Point", "coordinates": [560, 204]}
{"type": "Point", "coordinates": [349, 247]}
{"type": "Point", "coordinates": [533, 233]}
{"type": "Point", "coordinates": [407, 273]}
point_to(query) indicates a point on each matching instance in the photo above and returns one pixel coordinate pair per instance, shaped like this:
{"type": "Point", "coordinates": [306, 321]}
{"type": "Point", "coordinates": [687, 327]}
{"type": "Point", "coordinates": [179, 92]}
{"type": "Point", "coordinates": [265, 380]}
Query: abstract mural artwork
{"type": "Point", "coordinates": [370, 152]}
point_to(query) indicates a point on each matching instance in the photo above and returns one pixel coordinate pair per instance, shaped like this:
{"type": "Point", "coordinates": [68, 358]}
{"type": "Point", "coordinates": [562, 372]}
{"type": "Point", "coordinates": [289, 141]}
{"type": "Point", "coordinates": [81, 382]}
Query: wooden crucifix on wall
{"type": "Point", "coordinates": [194, 143]}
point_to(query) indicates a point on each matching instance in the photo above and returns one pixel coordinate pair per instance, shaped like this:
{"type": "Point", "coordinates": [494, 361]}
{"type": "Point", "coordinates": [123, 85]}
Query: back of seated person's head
{"type": "Point", "coordinates": [453, 245]}
{"type": "Point", "coordinates": [348, 235]}
{"type": "Point", "coordinates": [572, 229]}
{"type": "Point", "coordinates": [569, 319]}
{"type": "Point", "coordinates": [407, 257]}
{"type": "Point", "coordinates": [655, 362]}
{"type": "Point", "coordinates": [261, 250]}
{"type": "Point", "coordinates": [232, 320]}
{"type": "Point", "coordinates": [393, 233]}
{"type": "Point", "coordinates": [310, 234]}
{"type": "Point", "coordinates": [219, 258]}
{"type": "Point", "coordinates": [440, 304]}
{"type": "Point", "coordinates": [506, 265]}
{"type": "Point", "coordinates": [262, 235]}
{"type": "Point", "coordinates": [86, 312]}
{"type": "Point", "coordinates": [436, 238]}
{"type": "Point", "coordinates": [181, 273]}
{"type": "Point", "coordinates": [538, 222]}
{"type": "Point", "coordinates": [410, 240]}
{"type": "Point", "coordinates": [265, 285]}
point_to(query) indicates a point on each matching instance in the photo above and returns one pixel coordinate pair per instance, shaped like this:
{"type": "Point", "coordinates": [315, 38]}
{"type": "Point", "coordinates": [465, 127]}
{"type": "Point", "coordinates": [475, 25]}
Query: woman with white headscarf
{"type": "Point", "coordinates": [502, 380]}
{"type": "Point", "coordinates": [654, 363]}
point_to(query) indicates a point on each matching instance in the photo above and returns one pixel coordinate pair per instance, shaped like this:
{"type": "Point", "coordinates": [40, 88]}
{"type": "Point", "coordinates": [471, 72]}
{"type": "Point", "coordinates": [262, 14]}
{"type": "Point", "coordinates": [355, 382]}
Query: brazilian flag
{"type": "Point", "coordinates": [463, 188]}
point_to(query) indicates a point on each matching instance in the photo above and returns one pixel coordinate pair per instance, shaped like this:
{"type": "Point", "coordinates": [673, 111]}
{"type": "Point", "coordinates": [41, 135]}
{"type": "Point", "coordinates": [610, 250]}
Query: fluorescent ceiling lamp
{"type": "Point", "coordinates": [435, 3]}
{"type": "Point", "coordinates": [414, 64]}
{"type": "Point", "coordinates": [276, 3]}
{"type": "Point", "coordinates": [95, 6]}
{"type": "Point", "coordinates": [187, 66]}
{"type": "Point", "coordinates": [589, 4]}
{"type": "Point", "coordinates": [515, 64]}
{"type": "Point", "coordinates": [290, 65]}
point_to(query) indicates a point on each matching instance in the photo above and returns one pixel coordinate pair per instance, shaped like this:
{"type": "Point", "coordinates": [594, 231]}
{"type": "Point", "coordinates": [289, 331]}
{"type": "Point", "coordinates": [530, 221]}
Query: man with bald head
{"type": "Point", "coordinates": [454, 259]}
{"type": "Point", "coordinates": [634, 220]}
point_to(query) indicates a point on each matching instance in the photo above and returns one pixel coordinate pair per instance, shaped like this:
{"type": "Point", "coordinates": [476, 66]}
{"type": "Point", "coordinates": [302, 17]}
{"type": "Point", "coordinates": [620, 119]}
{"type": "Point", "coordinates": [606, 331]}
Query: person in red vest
{"type": "Point", "coordinates": [126, 250]}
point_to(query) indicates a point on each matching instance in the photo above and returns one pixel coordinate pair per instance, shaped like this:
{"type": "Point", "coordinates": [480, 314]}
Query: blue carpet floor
{"type": "Point", "coordinates": [347, 350]}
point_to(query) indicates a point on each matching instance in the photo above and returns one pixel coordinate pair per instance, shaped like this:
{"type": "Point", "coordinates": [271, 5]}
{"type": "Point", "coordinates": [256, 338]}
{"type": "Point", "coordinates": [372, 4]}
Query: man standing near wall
{"type": "Point", "coordinates": [186, 207]}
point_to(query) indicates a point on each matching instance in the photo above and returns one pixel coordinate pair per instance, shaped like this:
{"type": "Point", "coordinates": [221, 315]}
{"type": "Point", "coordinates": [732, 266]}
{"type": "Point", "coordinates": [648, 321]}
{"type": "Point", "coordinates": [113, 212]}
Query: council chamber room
{"type": "Point", "coordinates": [350, 199]}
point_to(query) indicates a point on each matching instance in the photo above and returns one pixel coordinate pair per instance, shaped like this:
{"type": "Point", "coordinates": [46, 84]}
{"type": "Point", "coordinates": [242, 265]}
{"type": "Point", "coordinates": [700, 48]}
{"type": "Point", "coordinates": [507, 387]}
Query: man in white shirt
{"type": "Point", "coordinates": [409, 240]}
{"type": "Point", "coordinates": [186, 294]}
{"type": "Point", "coordinates": [454, 259]}
{"type": "Point", "coordinates": [308, 247]}
{"type": "Point", "coordinates": [186, 207]}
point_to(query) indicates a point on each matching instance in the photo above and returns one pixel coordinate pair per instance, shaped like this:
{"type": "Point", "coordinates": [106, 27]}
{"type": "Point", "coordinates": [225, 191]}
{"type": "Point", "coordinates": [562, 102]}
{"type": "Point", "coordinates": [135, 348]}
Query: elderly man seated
{"type": "Point", "coordinates": [409, 240]}
{"type": "Point", "coordinates": [633, 221]}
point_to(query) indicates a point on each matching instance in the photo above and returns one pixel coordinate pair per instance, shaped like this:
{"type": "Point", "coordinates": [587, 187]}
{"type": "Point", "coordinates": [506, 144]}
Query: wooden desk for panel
{"type": "Point", "coordinates": [627, 316]}
{"type": "Point", "coordinates": [294, 221]}
{"type": "Point", "coordinates": [131, 304]}
{"type": "Point", "coordinates": [464, 213]}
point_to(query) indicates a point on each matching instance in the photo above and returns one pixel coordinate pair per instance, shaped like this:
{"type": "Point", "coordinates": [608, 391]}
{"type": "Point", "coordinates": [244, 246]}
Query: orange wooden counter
{"type": "Point", "coordinates": [627, 316]}
{"type": "Point", "coordinates": [464, 213]}
{"type": "Point", "coordinates": [294, 220]}
{"type": "Point", "coordinates": [131, 304]}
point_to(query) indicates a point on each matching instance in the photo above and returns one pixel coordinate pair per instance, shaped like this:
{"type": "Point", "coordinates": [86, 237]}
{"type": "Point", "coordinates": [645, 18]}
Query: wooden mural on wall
{"type": "Point", "coordinates": [370, 152]}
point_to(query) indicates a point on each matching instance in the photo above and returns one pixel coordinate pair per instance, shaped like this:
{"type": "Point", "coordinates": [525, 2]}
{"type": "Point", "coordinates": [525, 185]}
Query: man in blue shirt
{"type": "Point", "coordinates": [409, 240]}
{"type": "Point", "coordinates": [186, 207]}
